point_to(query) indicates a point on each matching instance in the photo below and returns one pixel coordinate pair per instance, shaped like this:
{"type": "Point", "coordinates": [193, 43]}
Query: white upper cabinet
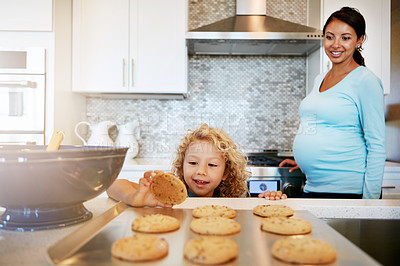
{"type": "Point", "coordinates": [100, 45]}
{"type": "Point", "coordinates": [377, 45]}
{"type": "Point", "coordinates": [129, 46]}
{"type": "Point", "coordinates": [26, 15]}
{"type": "Point", "coordinates": [160, 51]}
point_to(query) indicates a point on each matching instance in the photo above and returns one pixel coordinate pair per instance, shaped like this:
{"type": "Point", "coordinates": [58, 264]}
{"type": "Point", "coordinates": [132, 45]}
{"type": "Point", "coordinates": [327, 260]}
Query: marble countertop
{"type": "Point", "coordinates": [30, 248]}
{"type": "Point", "coordinates": [321, 208]}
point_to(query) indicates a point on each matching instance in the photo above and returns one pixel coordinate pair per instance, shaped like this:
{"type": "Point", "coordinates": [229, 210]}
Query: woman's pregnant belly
{"type": "Point", "coordinates": [329, 149]}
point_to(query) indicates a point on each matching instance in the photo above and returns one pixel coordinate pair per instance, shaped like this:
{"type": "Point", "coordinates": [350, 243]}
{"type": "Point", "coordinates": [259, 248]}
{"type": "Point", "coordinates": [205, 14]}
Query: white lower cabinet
{"type": "Point", "coordinates": [129, 46]}
{"type": "Point", "coordinates": [391, 185]}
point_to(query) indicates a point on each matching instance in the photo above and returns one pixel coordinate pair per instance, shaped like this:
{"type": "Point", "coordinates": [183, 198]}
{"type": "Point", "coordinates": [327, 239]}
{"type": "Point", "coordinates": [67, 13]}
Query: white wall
{"type": "Point", "coordinates": [69, 108]}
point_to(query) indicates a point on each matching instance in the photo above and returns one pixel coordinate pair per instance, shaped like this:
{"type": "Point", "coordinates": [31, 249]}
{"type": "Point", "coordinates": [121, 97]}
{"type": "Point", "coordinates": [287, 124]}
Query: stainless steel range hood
{"type": "Point", "coordinates": [251, 32]}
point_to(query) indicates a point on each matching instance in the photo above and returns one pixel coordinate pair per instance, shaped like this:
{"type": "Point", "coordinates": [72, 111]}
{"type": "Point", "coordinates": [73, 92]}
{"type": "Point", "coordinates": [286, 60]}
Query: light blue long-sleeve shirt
{"type": "Point", "coordinates": [340, 145]}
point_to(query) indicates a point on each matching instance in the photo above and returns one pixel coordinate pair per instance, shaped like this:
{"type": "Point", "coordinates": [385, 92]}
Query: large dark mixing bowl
{"type": "Point", "coordinates": [42, 189]}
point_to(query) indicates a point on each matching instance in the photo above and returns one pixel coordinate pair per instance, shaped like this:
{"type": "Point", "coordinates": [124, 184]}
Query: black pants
{"type": "Point", "coordinates": [331, 195]}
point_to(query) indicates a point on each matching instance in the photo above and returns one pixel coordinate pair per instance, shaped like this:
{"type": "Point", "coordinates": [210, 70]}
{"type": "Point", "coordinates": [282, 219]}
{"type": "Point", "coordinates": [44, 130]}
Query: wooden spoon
{"type": "Point", "coordinates": [55, 141]}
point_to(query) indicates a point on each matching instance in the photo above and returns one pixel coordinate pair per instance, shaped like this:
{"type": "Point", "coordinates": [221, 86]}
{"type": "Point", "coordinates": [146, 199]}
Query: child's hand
{"type": "Point", "coordinates": [137, 195]}
{"type": "Point", "coordinates": [272, 195]}
{"type": "Point", "coordinates": [143, 196]}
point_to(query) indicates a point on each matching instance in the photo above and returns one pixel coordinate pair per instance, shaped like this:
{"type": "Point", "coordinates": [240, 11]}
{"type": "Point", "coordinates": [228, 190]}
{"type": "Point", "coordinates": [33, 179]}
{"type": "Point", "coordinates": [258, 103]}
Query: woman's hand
{"type": "Point", "coordinates": [272, 195]}
{"type": "Point", "coordinates": [289, 162]}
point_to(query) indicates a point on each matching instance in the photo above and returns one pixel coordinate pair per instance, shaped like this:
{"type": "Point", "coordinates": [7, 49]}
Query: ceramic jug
{"type": "Point", "coordinates": [99, 135]}
{"type": "Point", "coordinates": [127, 137]}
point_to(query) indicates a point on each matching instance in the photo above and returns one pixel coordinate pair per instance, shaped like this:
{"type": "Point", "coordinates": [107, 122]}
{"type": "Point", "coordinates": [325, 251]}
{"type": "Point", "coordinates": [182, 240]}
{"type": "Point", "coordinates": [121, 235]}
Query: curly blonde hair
{"type": "Point", "coordinates": [235, 160]}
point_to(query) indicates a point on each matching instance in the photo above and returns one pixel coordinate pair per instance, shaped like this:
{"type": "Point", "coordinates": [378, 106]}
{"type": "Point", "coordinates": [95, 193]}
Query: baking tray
{"type": "Point", "coordinates": [254, 245]}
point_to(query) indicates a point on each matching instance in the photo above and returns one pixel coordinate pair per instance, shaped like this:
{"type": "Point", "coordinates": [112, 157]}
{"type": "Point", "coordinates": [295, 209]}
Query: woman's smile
{"type": "Point", "coordinates": [336, 54]}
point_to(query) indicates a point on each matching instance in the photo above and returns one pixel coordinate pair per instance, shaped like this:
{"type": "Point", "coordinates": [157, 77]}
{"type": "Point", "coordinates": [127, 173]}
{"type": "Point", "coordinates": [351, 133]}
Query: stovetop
{"type": "Point", "coordinates": [267, 158]}
{"type": "Point", "coordinates": [263, 161]}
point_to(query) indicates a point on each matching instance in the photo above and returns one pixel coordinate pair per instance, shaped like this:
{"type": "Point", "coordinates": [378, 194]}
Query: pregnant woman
{"type": "Point", "coordinates": [340, 145]}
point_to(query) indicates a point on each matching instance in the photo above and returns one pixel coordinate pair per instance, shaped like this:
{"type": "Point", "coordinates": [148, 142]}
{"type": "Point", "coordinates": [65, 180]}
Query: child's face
{"type": "Point", "coordinates": [203, 168]}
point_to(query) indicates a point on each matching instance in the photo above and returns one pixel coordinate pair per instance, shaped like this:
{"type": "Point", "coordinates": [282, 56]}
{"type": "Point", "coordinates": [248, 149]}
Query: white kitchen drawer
{"type": "Point", "coordinates": [391, 188]}
{"type": "Point", "coordinates": [391, 181]}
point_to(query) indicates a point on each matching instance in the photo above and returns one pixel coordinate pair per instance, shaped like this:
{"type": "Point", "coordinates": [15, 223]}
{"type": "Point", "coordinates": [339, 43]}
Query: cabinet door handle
{"type": "Point", "coordinates": [132, 77]}
{"type": "Point", "coordinates": [388, 186]}
{"type": "Point", "coordinates": [123, 72]}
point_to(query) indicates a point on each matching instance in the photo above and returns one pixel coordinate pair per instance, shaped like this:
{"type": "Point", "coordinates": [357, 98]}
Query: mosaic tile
{"type": "Point", "coordinates": [254, 99]}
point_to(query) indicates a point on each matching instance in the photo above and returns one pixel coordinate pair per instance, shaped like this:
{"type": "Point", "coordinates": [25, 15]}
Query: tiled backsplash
{"type": "Point", "coordinates": [254, 98]}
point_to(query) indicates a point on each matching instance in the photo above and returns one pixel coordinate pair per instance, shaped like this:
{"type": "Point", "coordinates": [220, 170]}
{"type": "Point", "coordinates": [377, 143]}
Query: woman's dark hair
{"type": "Point", "coordinates": [352, 17]}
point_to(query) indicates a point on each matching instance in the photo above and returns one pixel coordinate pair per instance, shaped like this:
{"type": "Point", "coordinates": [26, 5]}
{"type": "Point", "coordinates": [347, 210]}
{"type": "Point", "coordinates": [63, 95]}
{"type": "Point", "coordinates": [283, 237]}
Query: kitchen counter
{"type": "Point", "coordinates": [29, 248]}
{"type": "Point", "coordinates": [321, 208]}
{"type": "Point", "coordinates": [145, 164]}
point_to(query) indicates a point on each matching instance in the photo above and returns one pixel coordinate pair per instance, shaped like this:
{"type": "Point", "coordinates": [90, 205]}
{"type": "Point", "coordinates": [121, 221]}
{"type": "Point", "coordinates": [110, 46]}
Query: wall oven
{"type": "Point", "coordinates": [22, 95]}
